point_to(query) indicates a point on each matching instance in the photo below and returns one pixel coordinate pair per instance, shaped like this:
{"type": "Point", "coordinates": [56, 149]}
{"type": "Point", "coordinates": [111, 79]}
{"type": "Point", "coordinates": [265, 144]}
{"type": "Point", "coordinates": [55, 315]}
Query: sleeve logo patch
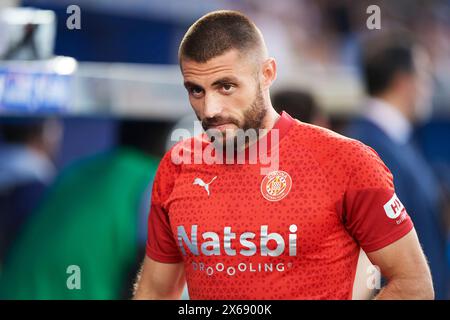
{"type": "Point", "coordinates": [394, 208]}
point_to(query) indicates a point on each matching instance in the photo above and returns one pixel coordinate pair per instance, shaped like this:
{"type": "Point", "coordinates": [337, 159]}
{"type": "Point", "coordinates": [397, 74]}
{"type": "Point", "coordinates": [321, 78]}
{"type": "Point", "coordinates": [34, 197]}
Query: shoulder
{"type": "Point", "coordinates": [176, 157]}
{"type": "Point", "coordinates": [339, 156]}
{"type": "Point", "coordinates": [324, 142]}
{"type": "Point", "coordinates": [183, 152]}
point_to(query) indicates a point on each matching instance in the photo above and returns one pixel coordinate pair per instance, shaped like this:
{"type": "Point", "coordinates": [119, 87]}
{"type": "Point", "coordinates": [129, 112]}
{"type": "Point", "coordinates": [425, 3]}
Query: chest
{"type": "Point", "coordinates": [236, 210]}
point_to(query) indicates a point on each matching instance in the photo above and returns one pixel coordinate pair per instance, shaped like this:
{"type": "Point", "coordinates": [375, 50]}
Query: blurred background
{"type": "Point", "coordinates": [86, 114]}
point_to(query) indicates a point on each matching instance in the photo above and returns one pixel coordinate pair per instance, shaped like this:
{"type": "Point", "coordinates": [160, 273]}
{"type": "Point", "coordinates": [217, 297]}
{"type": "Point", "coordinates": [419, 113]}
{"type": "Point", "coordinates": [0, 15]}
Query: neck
{"type": "Point", "coordinates": [38, 148]}
{"type": "Point", "coordinates": [268, 123]}
{"type": "Point", "coordinates": [270, 119]}
{"type": "Point", "coordinates": [398, 102]}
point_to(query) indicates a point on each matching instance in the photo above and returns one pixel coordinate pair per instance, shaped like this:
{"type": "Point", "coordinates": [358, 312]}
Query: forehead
{"type": "Point", "coordinates": [231, 63]}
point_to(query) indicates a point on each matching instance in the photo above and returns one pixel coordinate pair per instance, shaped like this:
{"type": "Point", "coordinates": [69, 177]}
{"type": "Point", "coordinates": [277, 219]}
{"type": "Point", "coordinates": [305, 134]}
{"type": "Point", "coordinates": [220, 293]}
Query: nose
{"type": "Point", "coordinates": [212, 105]}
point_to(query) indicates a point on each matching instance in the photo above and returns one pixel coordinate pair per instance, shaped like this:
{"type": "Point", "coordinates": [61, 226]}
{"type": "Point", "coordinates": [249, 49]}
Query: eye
{"type": "Point", "coordinates": [196, 92]}
{"type": "Point", "coordinates": [228, 88]}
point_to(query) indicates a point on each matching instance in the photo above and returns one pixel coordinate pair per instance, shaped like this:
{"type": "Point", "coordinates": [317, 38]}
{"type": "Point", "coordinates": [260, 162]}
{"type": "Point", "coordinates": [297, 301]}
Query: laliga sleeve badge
{"type": "Point", "coordinates": [276, 185]}
{"type": "Point", "coordinates": [394, 209]}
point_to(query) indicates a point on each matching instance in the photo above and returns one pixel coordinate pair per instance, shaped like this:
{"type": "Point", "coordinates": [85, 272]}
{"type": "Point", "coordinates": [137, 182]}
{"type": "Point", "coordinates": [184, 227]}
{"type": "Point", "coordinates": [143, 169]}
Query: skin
{"type": "Point", "coordinates": [404, 266]}
{"type": "Point", "coordinates": [223, 89]}
{"type": "Point", "coordinates": [231, 92]}
{"type": "Point", "coordinates": [47, 142]}
{"type": "Point", "coordinates": [159, 281]}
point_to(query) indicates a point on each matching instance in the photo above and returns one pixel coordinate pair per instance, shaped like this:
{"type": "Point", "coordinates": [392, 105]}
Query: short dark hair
{"type": "Point", "coordinates": [21, 130]}
{"type": "Point", "coordinates": [217, 32]}
{"type": "Point", "coordinates": [147, 136]}
{"type": "Point", "coordinates": [384, 58]}
{"type": "Point", "coordinates": [298, 103]}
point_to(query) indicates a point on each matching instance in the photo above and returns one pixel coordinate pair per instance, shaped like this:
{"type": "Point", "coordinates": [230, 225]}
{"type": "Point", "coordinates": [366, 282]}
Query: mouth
{"type": "Point", "coordinates": [222, 126]}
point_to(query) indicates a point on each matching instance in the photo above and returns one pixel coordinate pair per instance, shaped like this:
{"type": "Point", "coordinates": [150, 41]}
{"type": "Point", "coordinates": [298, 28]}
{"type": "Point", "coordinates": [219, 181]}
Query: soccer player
{"type": "Point", "coordinates": [231, 232]}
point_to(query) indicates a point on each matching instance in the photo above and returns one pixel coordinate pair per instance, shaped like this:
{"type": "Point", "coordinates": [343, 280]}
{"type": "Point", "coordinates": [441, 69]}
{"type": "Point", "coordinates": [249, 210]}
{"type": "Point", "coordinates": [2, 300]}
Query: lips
{"type": "Point", "coordinates": [219, 123]}
{"type": "Point", "coordinates": [222, 126]}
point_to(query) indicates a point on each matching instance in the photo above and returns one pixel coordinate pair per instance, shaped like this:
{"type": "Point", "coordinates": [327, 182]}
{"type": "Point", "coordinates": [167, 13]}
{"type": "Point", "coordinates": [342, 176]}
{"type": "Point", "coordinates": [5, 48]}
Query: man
{"type": "Point", "coordinates": [90, 219]}
{"type": "Point", "coordinates": [27, 151]}
{"type": "Point", "coordinates": [292, 233]}
{"type": "Point", "coordinates": [397, 78]}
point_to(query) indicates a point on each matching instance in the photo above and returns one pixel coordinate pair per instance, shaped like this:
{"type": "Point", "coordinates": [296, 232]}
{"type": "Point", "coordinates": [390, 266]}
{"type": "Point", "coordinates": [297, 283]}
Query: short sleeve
{"type": "Point", "coordinates": [373, 214]}
{"type": "Point", "coordinates": [161, 244]}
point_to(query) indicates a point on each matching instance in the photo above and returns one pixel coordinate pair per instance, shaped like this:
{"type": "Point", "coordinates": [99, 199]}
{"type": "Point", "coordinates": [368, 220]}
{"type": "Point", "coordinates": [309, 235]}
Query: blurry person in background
{"type": "Point", "coordinates": [90, 219]}
{"type": "Point", "coordinates": [398, 82]}
{"type": "Point", "coordinates": [27, 149]}
{"type": "Point", "coordinates": [300, 105]}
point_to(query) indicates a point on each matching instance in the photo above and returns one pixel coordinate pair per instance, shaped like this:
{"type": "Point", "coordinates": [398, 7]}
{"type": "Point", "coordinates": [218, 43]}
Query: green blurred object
{"type": "Point", "coordinates": [90, 220]}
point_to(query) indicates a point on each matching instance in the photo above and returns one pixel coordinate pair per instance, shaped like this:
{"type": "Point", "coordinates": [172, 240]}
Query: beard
{"type": "Point", "coordinates": [253, 121]}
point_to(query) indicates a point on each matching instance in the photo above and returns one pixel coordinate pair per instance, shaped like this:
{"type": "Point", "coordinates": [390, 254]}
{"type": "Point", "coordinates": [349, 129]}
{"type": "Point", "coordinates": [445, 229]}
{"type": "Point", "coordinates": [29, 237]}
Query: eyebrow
{"type": "Point", "coordinates": [224, 80]}
{"type": "Point", "coordinates": [220, 81]}
{"type": "Point", "coordinates": [189, 84]}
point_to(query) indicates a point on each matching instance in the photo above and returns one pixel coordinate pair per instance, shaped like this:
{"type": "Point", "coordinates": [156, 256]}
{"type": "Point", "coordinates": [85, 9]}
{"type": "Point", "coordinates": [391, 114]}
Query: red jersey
{"type": "Point", "coordinates": [293, 233]}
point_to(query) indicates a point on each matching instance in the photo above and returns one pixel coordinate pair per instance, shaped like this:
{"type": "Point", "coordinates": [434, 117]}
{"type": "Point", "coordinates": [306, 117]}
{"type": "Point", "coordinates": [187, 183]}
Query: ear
{"type": "Point", "coordinates": [269, 73]}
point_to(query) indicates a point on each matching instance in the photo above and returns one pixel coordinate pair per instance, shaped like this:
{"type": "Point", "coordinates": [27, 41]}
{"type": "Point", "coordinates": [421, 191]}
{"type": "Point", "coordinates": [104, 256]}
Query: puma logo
{"type": "Point", "coordinates": [201, 183]}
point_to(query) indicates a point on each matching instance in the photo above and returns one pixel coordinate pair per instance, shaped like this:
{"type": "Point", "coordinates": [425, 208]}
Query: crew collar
{"type": "Point", "coordinates": [281, 126]}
